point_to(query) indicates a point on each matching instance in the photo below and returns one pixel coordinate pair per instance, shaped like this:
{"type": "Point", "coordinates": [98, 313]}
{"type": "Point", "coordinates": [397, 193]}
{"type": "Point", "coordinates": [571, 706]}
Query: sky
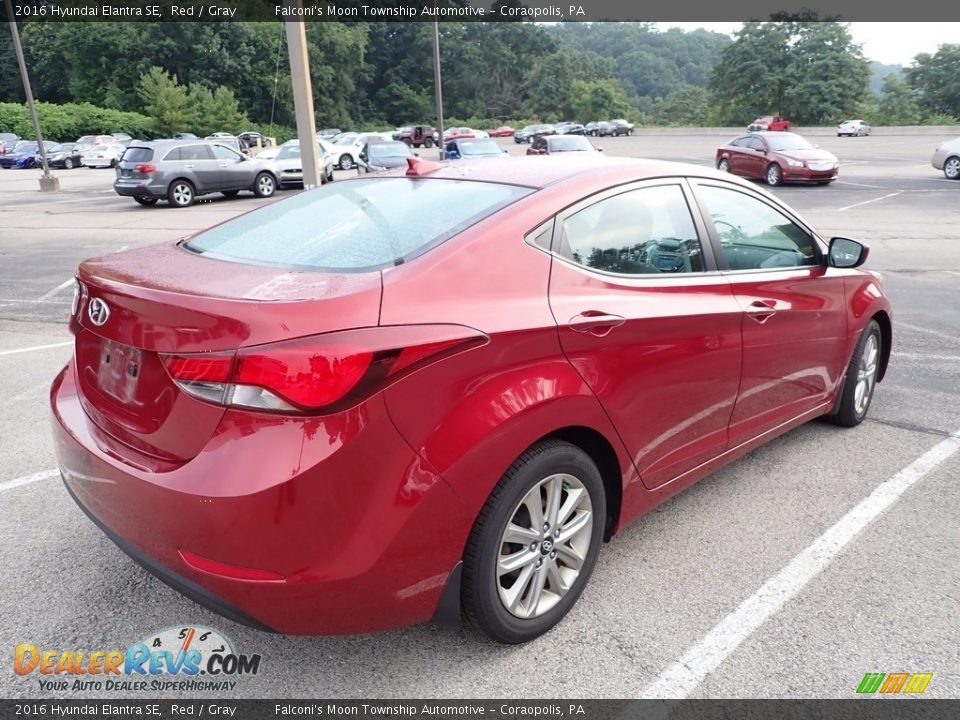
{"type": "Point", "coordinates": [889, 43]}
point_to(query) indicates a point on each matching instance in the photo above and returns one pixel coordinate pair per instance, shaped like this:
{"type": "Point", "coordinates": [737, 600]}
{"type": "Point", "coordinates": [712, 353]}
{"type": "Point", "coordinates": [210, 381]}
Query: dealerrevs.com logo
{"type": "Point", "coordinates": [176, 659]}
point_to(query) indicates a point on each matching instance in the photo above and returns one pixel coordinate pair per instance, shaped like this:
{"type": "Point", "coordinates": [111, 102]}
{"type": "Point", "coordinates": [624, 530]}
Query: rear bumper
{"type": "Point", "coordinates": [134, 188]}
{"type": "Point", "coordinates": [360, 534]}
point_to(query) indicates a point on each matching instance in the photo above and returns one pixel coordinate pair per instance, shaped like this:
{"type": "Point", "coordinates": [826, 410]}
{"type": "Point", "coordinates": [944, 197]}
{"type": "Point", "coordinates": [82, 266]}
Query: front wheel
{"type": "Point", "coordinates": [723, 165]}
{"type": "Point", "coordinates": [428, 143]}
{"type": "Point", "coordinates": [346, 162]}
{"type": "Point", "coordinates": [535, 543]}
{"type": "Point", "coordinates": [861, 378]}
{"type": "Point", "coordinates": [951, 168]}
{"type": "Point", "coordinates": [264, 186]}
{"type": "Point", "coordinates": [68, 164]}
{"type": "Point", "coordinates": [774, 174]}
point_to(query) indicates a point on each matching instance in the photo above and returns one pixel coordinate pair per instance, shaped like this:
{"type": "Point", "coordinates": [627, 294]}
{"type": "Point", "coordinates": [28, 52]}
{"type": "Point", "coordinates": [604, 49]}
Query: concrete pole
{"type": "Point", "coordinates": [437, 89]}
{"type": "Point", "coordinates": [302, 98]}
{"type": "Point", "coordinates": [48, 182]}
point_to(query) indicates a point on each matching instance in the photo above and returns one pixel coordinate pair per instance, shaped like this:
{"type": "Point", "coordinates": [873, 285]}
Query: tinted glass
{"type": "Point", "coordinates": [195, 152]}
{"type": "Point", "coordinates": [635, 233]}
{"type": "Point", "coordinates": [138, 154]}
{"type": "Point", "coordinates": [397, 149]}
{"type": "Point", "coordinates": [288, 151]}
{"type": "Point", "coordinates": [358, 224]}
{"type": "Point", "coordinates": [754, 235]}
{"type": "Point", "coordinates": [224, 153]}
{"type": "Point", "coordinates": [570, 143]}
{"type": "Point", "coordinates": [786, 141]}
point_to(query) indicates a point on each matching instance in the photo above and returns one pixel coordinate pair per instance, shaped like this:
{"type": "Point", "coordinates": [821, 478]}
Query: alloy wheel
{"type": "Point", "coordinates": [866, 375]}
{"type": "Point", "coordinates": [951, 168]}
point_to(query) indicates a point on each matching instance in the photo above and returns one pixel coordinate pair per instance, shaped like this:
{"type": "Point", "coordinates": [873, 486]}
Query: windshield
{"type": "Point", "coordinates": [362, 224]}
{"type": "Point", "coordinates": [288, 151]}
{"type": "Point", "coordinates": [785, 141]}
{"type": "Point", "coordinates": [569, 143]}
{"type": "Point", "coordinates": [62, 147]}
{"type": "Point", "coordinates": [346, 139]}
{"type": "Point", "coordinates": [479, 147]}
{"type": "Point", "coordinates": [387, 150]}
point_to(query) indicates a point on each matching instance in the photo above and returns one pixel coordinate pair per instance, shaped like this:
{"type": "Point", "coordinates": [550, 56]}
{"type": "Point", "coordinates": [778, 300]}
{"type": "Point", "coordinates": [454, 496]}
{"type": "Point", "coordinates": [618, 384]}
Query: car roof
{"type": "Point", "coordinates": [542, 171]}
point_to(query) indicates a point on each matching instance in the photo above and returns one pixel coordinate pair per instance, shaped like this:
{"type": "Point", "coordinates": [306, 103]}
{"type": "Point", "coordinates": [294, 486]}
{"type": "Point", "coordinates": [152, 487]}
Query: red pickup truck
{"type": "Point", "coordinates": [769, 123]}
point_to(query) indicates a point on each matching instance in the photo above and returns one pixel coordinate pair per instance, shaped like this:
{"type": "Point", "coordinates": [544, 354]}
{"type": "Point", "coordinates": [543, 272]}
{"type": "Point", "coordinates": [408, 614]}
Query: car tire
{"type": "Point", "coordinates": [346, 162]}
{"type": "Point", "coordinates": [723, 165]}
{"type": "Point", "coordinates": [951, 168]}
{"type": "Point", "coordinates": [773, 175]}
{"type": "Point", "coordinates": [520, 604]}
{"type": "Point", "coordinates": [145, 200]}
{"type": "Point", "coordinates": [68, 164]}
{"type": "Point", "coordinates": [264, 185]}
{"type": "Point", "coordinates": [428, 143]}
{"type": "Point", "coordinates": [113, 164]}
{"type": "Point", "coordinates": [860, 380]}
{"type": "Point", "coordinates": [181, 194]}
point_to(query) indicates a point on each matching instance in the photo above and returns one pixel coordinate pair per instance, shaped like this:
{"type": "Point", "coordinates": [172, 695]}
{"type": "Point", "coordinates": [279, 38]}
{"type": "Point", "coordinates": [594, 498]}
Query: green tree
{"type": "Point", "coordinates": [687, 105]}
{"type": "Point", "coordinates": [806, 69]}
{"type": "Point", "coordinates": [165, 102]}
{"type": "Point", "coordinates": [898, 105]}
{"type": "Point", "coordinates": [936, 78]}
{"type": "Point", "coordinates": [596, 99]}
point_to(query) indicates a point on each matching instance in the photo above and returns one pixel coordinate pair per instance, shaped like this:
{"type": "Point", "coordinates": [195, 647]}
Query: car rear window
{"type": "Point", "coordinates": [363, 224]}
{"type": "Point", "coordinates": [138, 154]}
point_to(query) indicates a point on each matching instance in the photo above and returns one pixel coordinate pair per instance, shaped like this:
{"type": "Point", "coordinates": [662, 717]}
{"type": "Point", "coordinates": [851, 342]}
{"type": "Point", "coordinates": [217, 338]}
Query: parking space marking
{"type": "Point", "coordinates": [27, 479]}
{"type": "Point", "coordinates": [682, 677]}
{"type": "Point", "coordinates": [925, 356]}
{"type": "Point", "coordinates": [917, 328]}
{"type": "Point", "coordinates": [58, 288]}
{"type": "Point", "coordinates": [847, 182]}
{"type": "Point", "coordinates": [867, 202]}
{"type": "Point", "coordinates": [35, 347]}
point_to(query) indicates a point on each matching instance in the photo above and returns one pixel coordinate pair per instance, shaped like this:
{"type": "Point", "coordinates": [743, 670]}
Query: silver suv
{"type": "Point", "coordinates": [181, 170]}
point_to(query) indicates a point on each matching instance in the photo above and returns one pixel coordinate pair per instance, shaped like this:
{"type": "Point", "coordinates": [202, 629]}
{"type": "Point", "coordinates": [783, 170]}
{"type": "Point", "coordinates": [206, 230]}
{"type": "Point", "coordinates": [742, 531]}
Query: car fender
{"type": "Point", "coordinates": [865, 300]}
{"type": "Point", "coordinates": [493, 421]}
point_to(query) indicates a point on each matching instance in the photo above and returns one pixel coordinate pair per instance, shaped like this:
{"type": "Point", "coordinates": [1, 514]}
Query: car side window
{"type": "Point", "coordinates": [754, 235]}
{"type": "Point", "coordinates": [173, 154]}
{"type": "Point", "coordinates": [540, 144]}
{"type": "Point", "coordinates": [195, 152]}
{"type": "Point", "coordinates": [224, 153]}
{"type": "Point", "coordinates": [639, 232]}
{"type": "Point", "coordinates": [741, 142]}
{"type": "Point", "coordinates": [756, 143]}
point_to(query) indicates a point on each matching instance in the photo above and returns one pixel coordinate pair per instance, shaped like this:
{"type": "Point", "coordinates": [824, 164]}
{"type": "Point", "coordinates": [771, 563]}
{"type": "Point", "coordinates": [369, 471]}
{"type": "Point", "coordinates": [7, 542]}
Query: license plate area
{"type": "Point", "coordinates": [119, 370]}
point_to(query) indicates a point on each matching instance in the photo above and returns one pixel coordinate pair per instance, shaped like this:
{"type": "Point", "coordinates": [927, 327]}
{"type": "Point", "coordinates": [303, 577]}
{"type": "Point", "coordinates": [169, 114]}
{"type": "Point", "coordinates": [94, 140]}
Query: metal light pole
{"type": "Point", "coordinates": [48, 182]}
{"type": "Point", "coordinates": [438, 90]}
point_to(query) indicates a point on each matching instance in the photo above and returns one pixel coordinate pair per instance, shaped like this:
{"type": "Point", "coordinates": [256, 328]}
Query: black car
{"type": "Point", "coordinates": [575, 129]}
{"type": "Point", "coordinates": [383, 155]}
{"type": "Point", "coordinates": [250, 138]}
{"type": "Point", "coordinates": [621, 127]}
{"type": "Point", "coordinates": [527, 134]}
{"type": "Point", "coordinates": [64, 155]}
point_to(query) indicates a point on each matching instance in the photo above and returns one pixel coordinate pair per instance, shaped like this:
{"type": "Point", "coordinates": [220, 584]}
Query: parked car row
{"type": "Point", "coordinates": [595, 128]}
{"type": "Point", "coordinates": [89, 150]}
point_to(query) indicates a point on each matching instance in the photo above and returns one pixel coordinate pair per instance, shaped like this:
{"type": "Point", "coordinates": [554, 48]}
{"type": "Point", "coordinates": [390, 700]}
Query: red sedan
{"type": "Point", "coordinates": [386, 416]}
{"type": "Point", "coordinates": [502, 131]}
{"type": "Point", "coordinates": [777, 158]}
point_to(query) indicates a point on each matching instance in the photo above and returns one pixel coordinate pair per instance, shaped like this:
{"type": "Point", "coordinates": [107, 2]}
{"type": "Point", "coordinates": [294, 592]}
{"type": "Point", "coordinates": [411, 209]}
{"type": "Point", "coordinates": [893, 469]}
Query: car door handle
{"type": "Point", "coordinates": [762, 310]}
{"type": "Point", "coordinates": [595, 322]}
{"type": "Point", "coordinates": [188, 167]}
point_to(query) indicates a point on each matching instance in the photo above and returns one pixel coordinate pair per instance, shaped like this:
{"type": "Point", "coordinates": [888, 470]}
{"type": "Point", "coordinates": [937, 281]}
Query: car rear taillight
{"type": "Point", "coordinates": [145, 168]}
{"type": "Point", "coordinates": [320, 373]}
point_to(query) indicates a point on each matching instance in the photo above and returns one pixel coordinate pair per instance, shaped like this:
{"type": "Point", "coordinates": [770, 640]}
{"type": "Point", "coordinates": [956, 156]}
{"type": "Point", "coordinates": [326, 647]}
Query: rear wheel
{"type": "Point", "coordinates": [346, 162]}
{"type": "Point", "coordinates": [861, 378]}
{"type": "Point", "coordinates": [180, 194]}
{"type": "Point", "coordinates": [774, 174]}
{"type": "Point", "coordinates": [951, 168]}
{"type": "Point", "coordinates": [535, 543]}
{"type": "Point", "coordinates": [145, 200]}
{"type": "Point", "coordinates": [428, 143]}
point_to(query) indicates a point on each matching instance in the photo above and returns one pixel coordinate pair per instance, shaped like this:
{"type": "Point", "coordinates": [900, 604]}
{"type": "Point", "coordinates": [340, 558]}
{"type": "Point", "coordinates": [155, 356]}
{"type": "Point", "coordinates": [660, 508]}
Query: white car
{"type": "Point", "coordinates": [947, 158]}
{"type": "Point", "coordinates": [288, 167]}
{"type": "Point", "coordinates": [853, 128]}
{"type": "Point", "coordinates": [349, 145]}
{"type": "Point", "coordinates": [102, 156]}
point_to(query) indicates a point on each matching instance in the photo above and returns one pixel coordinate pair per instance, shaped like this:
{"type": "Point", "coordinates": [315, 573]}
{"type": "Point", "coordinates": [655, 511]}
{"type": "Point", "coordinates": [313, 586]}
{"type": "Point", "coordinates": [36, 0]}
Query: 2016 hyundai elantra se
{"type": "Point", "coordinates": [406, 395]}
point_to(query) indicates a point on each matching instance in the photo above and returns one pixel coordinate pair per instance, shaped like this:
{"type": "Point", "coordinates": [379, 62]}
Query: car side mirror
{"type": "Point", "coordinates": [599, 149]}
{"type": "Point", "coordinates": [847, 253]}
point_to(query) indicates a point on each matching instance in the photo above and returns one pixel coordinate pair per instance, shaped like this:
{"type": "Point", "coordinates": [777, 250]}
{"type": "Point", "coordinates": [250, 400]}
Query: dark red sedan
{"type": "Point", "coordinates": [339, 413]}
{"type": "Point", "coordinates": [779, 157]}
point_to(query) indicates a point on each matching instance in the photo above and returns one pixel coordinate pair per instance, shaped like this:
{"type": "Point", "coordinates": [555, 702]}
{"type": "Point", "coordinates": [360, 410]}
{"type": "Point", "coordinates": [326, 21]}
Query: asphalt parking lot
{"type": "Point", "coordinates": [668, 594]}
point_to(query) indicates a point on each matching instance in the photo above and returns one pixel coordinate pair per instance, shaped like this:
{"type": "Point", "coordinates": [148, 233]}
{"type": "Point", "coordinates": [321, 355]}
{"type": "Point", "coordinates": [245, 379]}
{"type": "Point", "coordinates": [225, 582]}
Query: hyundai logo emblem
{"type": "Point", "coordinates": [98, 312]}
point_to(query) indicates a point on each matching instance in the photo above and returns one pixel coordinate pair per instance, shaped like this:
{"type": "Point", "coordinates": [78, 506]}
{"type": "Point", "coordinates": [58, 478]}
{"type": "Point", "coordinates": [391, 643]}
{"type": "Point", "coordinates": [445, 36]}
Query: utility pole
{"type": "Point", "coordinates": [437, 89]}
{"type": "Point", "coordinates": [48, 182]}
{"type": "Point", "coordinates": [302, 96]}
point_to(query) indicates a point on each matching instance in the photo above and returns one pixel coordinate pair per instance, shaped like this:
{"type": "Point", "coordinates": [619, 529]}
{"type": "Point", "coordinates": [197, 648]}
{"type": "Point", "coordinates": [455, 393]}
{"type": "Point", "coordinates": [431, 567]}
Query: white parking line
{"type": "Point", "coordinates": [951, 272]}
{"type": "Point", "coordinates": [867, 202]}
{"type": "Point", "coordinates": [847, 182]}
{"type": "Point", "coordinates": [35, 347]}
{"type": "Point", "coordinates": [917, 328]}
{"type": "Point", "coordinates": [682, 677]}
{"type": "Point", "coordinates": [58, 288]}
{"type": "Point", "coordinates": [27, 479]}
{"type": "Point", "coordinates": [925, 356]}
